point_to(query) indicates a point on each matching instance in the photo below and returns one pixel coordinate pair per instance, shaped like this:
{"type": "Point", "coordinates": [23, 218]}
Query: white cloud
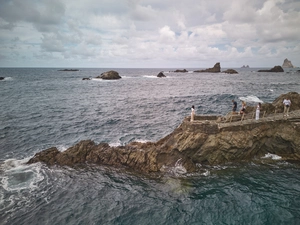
{"type": "Point", "coordinates": [146, 33]}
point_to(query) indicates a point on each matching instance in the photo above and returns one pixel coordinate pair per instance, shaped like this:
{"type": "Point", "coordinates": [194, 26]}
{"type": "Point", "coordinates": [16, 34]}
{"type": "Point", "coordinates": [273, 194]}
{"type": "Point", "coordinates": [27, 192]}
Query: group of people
{"type": "Point", "coordinates": [243, 109]}
{"type": "Point", "coordinates": [286, 102]}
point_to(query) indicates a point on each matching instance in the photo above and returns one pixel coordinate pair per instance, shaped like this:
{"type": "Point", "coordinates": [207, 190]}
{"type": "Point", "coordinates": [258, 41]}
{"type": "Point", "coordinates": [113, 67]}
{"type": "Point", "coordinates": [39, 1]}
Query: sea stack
{"type": "Point", "coordinates": [215, 69]}
{"type": "Point", "coordinates": [287, 64]}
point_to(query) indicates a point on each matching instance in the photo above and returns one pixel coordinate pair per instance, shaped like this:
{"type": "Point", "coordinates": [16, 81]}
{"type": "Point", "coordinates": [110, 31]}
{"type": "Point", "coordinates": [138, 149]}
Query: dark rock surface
{"type": "Point", "coordinates": [86, 78]}
{"type": "Point", "coordinates": [274, 69]}
{"type": "Point", "coordinates": [230, 71]}
{"type": "Point", "coordinates": [181, 71]}
{"type": "Point", "coordinates": [202, 142]}
{"type": "Point", "coordinates": [161, 74]}
{"type": "Point", "coordinates": [69, 70]}
{"type": "Point", "coordinates": [110, 75]}
{"type": "Point", "coordinates": [2, 78]}
{"type": "Point", "coordinates": [215, 69]}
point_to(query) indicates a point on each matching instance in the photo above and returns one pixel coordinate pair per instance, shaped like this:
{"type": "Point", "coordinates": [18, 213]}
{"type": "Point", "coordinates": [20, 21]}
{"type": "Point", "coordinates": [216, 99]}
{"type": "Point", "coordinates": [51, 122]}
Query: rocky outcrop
{"type": "Point", "coordinates": [181, 71]}
{"type": "Point", "coordinates": [2, 78]}
{"type": "Point", "coordinates": [215, 69]}
{"type": "Point", "coordinates": [230, 71]}
{"type": "Point", "coordinates": [287, 64]}
{"type": "Point", "coordinates": [245, 66]}
{"type": "Point", "coordinates": [274, 69]}
{"type": "Point", "coordinates": [205, 141]}
{"type": "Point", "coordinates": [161, 74]}
{"type": "Point", "coordinates": [110, 75]}
{"type": "Point", "coordinates": [86, 78]}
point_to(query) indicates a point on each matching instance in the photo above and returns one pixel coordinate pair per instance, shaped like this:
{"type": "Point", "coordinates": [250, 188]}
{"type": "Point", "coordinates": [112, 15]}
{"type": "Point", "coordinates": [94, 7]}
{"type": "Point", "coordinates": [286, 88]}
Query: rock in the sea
{"type": "Point", "coordinates": [110, 75]}
{"type": "Point", "coordinates": [86, 78]}
{"type": "Point", "coordinates": [230, 71]}
{"type": "Point", "coordinates": [161, 74]}
{"type": "Point", "coordinates": [215, 69]}
{"type": "Point", "coordinates": [69, 70]}
{"type": "Point", "coordinates": [274, 69]}
{"type": "Point", "coordinates": [205, 141]}
{"type": "Point", "coordinates": [181, 71]}
{"type": "Point", "coordinates": [2, 78]}
{"type": "Point", "coordinates": [245, 66]}
{"type": "Point", "coordinates": [287, 64]}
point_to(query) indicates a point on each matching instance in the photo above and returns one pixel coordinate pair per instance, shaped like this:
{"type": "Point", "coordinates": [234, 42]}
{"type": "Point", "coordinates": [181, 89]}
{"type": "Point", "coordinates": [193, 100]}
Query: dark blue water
{"type": "Point", "coordinates": [41, 108]}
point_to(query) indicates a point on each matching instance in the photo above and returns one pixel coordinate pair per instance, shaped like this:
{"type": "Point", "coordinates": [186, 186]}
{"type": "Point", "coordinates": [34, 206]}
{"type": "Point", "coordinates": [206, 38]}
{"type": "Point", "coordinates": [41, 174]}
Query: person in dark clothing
{"type": "Point", "coordinates": [234, 106]}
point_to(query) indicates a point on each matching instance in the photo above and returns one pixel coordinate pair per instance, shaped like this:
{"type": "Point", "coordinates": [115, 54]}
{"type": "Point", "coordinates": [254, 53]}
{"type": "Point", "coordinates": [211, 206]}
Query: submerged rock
{"type": "Point", "coordinates": [206, 141]}
{"type": "Point", "coordinates": [274, 69]}
{"type": "Point", "coordinates": [215, 69]}
{"type": "Point", "coordinates": [110, 75]}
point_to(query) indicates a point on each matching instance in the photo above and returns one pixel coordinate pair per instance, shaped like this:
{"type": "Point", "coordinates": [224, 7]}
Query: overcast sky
{"type": "Point", "coordinates": [149, 33]}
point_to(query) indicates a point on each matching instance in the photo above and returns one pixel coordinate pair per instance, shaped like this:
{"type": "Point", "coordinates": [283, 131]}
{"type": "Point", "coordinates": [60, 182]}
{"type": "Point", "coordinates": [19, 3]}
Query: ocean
{"type": "Point", "coordinates": [45, 107]}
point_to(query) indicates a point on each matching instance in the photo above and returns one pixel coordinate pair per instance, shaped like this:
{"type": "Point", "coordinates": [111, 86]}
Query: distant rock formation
{"type": "Point", "coordinates": [110, 75]}
{"type": "Point", "coordinates": [245, 66]}
{"type": "Point", "coordinates": [2, 78]}
{"type": "Point", "coordinates": [86, 78]}
{"type": "Point", "coordinates": [181, 71]}
{"type": "Point", "coordinates": [287, 64]}
{"type": "Point", "coordinates": [215, 69]}
{"type": "Point", "coordinates": [230, 71]}
{"type": "Point", "coordinates": [274, 69]}
{"type": "Point", "coordinates": [69, 70]}
{"type": "Point", "coordinates": [161, 74]}
{"type": "Point", "coordinates": [205, 141]}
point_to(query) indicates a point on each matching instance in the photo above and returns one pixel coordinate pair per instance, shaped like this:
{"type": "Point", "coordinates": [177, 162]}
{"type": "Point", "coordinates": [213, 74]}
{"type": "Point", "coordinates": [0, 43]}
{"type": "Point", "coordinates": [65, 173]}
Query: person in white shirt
{"type": "Point", "coordinates": [193, 113]}
{"type": "Point", "coordinates": [287, 104]}
{"type": "Point", "coordinates": [258, 111]}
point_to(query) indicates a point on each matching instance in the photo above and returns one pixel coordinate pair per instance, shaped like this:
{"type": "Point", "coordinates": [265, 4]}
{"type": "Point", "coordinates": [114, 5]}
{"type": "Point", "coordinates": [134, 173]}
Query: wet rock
{"type": "Point", "coordinates": [181, 71]}
{"type": "Point", "coordinates": [274, 69]}
{"type": "Point", "coordinates": [215, 69]}
{"type": "Point", "coordinates": [230, 71]}
{"type": "Point", "coordinates": [110, 75]}
{"type": "Point", "coordinates": [161, 74]}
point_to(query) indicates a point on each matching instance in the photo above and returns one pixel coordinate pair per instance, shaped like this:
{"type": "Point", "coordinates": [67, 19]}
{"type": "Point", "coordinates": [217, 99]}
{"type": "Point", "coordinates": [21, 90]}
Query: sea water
{"type": "Point", "coordinates": [44, 107]}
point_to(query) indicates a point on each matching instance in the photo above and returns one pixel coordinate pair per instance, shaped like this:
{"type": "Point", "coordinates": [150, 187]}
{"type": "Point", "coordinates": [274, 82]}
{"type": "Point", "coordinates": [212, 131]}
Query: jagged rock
{"type": "Point", "coordinates": [2, 78]}
{"type": "Point", "coordinates": [161, 74]}
{"type": "Point", "coordinates": [274, 69]}
{"type": "Point", "coordinates": [205, 141]}
{"type": "Point", "coordinates": [181, 71]}
{"type": "Point", "coordinates": [231, 71]}
{"type": "Point", "coordinates": [245, 66]}
{"type": "Point", "coordinates": [287, 64]}
{"type": "Point", "coordinates": [110, 75]}
{"type": "Point", "coordinates": [215, 69]}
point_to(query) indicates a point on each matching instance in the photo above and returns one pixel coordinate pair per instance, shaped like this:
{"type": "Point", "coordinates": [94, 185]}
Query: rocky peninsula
{"type": "Point", "coordinates": [208, 140]}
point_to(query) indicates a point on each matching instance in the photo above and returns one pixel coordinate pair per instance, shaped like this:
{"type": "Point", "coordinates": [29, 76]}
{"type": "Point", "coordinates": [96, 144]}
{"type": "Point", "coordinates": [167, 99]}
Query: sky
{"type": "Point", "coordinates": [149, 33]}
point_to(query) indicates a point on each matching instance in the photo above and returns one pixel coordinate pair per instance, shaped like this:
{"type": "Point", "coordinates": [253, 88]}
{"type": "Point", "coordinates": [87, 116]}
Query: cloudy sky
{"type": "Point", "coordinates": [149, 33]}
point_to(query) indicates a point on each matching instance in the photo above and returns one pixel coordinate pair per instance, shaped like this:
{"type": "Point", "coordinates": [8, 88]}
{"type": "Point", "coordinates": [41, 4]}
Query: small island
{"type": "Point", "coordinates": [69, 70]}
{"type": "Point", "coordinates": [215, 69]}
{"type": "Point", "coordinates": [110, 75]}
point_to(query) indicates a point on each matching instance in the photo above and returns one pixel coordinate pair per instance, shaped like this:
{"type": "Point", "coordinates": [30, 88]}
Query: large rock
{"type": "Point", "coordinates": [204, 141]}
{"type": "Point", "coordinates": [161, 74]}
{"type": "Point", "coordinates": [287, 64]}
{"type": "Point", "coordinates": [274, 69]}
{"type": "Point", "coordinates": [230, 71]}
{"type": "Point", "coordinates": [110, 75]}
{"type": "Point", "coordinates": [181, 71]}
{"type": "Point", "coordinates": [215, 69]}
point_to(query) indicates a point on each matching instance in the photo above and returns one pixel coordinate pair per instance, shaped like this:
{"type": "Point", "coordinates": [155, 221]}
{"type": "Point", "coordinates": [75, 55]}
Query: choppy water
{"type": "Point", "coordinates": [41, 108]}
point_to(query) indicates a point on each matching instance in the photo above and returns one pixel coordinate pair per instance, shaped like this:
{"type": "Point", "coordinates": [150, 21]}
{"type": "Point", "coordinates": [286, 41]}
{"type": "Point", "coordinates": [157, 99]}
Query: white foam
{"type": "Point", "coordinates": [250, 98]}
{"type": "Point", "coordinates": [115, 144]}
{"type": "Point", "coordinates": [152, 77]}
{"type": "Point", "coordinates": [271, 156]}
{"type": "Point", "coordinates": [16, 175]}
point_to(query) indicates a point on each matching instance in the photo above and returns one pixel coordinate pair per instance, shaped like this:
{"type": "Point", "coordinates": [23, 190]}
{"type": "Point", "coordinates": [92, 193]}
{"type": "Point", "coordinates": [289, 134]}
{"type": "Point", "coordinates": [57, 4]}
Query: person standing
{"type": "Point", "coordinates": [287, 104]}
{"type": "Point", "coordinates": [234, 106]}
{"type": "Point", "coordinates": [193, 113]}
{"type": "Point", "coordinates": [258, 111]}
